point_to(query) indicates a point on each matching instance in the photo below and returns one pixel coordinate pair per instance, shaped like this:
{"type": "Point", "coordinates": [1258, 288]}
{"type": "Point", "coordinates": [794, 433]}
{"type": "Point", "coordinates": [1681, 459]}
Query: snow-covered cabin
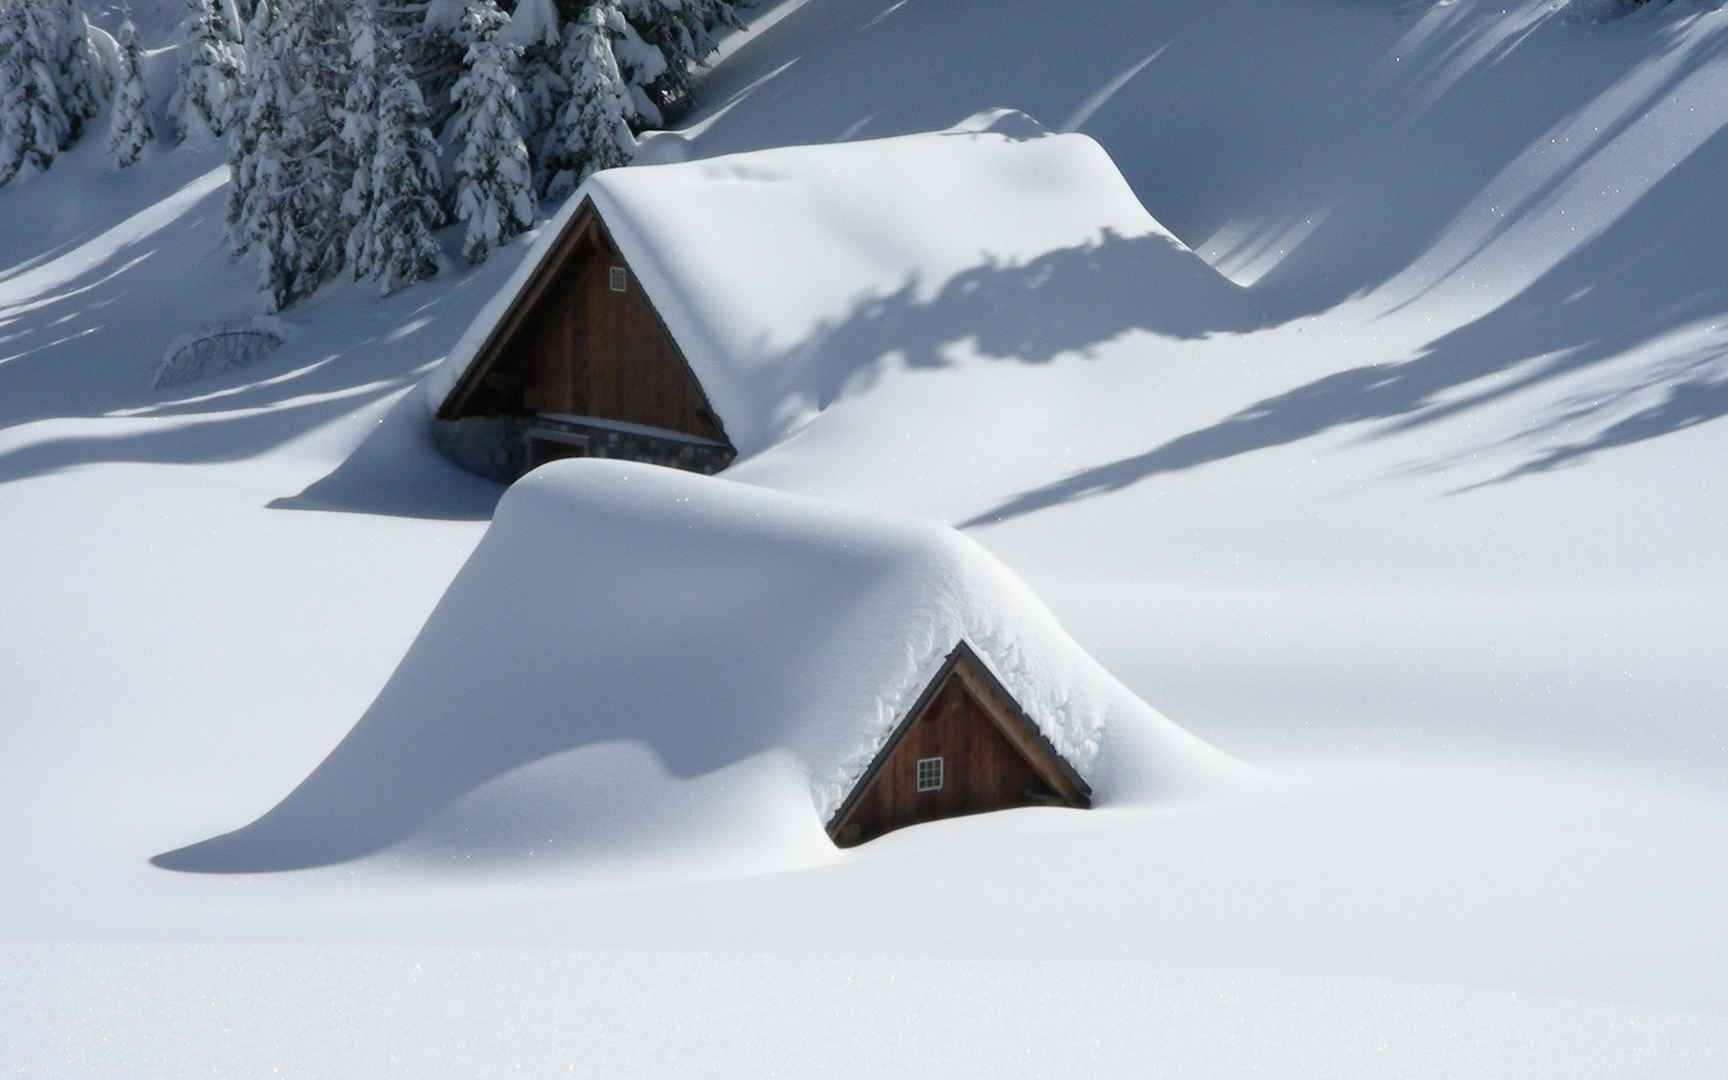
{"type": "Point", "coordinates": [644, 663]}
{"type": "Point", "coordinates": [686, 313]}
{"type": "Point", "coordinates": [964, 747]}
{"type": "Point", "coordinates": [581, 364]}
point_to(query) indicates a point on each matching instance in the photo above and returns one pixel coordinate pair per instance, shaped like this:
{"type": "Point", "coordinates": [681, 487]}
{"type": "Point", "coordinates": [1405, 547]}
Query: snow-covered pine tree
{"type": "Point", "coordinates": [233, 19]}
{"type": "Point", "coordinates": [211, 65]}
{"type": "Point", "coordinates": [83, 80]}
{"type": "Point", "coordinates": [359, 134]}
{"type": "Point", "coordinates": [299, 240]}
{"type": "Point", "coordinates": [274, 239]}
{"type": "Point", "coordinates": [435, 36]}
{"type": "Point", "coordinates": [682, 33]}
{"type": "Point", "coordinates": [129, 129]}
{"type": "Point", "coordinates": [400, 248]}
{"type": "Point", "coordinates": [33, 122]}
{"type": "Point", "coordinates": [258, 219]}
{"type": "Point", "coordinates": [243, 123]}
{"type": "Point", "coordinates": [593, 129]}
{"type": "Point", "coordinates": [533, 28]}
{"type": "Point", "coordinates": [494, 187]}
{"type": "Point", "coordinates": [721, 13]}
{"type": "Point", "coordinates": [641, 63]}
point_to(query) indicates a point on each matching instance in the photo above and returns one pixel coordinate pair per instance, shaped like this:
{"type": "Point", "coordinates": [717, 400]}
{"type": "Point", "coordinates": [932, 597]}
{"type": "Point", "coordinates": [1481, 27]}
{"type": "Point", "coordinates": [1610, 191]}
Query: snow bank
{"type": "Point", "coordinates": [760, 262]}
{"type": "Point", "coordinates": [655, 661]}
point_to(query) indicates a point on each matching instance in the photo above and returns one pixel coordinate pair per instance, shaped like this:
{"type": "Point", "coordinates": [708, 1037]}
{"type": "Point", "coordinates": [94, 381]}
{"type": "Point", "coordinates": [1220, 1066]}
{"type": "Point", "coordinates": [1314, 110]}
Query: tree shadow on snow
{"type": "Point", "coordinates": [1688, 393]}
{"type": "Point", "coordinates": [1628, 287]}
{"type": "Point", "coordinates": [1375, 150]}
{"type": "Point", "coordinates": [1064, 302]}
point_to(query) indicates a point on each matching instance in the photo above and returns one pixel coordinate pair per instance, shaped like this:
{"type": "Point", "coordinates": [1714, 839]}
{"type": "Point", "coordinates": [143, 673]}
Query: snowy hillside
{"type": "Point", "coordinates": [1422, 519]}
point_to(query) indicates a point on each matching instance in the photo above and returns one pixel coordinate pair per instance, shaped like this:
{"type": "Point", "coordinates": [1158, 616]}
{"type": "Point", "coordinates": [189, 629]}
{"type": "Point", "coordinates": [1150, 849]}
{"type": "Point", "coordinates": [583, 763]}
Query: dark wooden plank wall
{"type": "Point", "coordinates": [589, 351]}
{"type": "Point", "coordinates": [983, 771]}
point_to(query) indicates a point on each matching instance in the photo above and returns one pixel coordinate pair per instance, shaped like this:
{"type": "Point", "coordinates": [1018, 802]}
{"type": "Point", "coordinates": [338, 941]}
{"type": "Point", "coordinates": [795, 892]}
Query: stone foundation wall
{"type": "Point", "coordinates": [497, 447]}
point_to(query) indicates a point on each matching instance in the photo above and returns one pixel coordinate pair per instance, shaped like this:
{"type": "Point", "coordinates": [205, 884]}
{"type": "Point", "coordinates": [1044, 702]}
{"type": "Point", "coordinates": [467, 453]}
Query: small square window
{"type": "Point", "coordinates": [930, 774]}
{"type": "Point", "coordinates": [618, 278]}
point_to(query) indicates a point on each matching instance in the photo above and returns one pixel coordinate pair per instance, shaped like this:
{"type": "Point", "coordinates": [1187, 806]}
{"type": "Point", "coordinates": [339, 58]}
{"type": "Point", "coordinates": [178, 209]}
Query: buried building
{"type": "Point", "coordinates": [643, 664]}
{"type": "Point", "coordinates": [965, 747]}
{"type": "Point", "coordinates": [684, 314]}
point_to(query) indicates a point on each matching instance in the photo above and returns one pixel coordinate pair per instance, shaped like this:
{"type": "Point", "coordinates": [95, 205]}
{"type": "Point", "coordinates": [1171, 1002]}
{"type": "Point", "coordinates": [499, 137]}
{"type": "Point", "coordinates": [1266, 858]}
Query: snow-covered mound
{"type": "Point", "coordinates": [785, 274]}
{"type": "Point", "coordinates": [679, 662]}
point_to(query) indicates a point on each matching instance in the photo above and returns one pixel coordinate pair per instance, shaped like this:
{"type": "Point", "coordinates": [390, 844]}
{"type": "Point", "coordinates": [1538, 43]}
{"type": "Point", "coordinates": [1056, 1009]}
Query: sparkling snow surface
{"type": "Point", "coordinates": [1429, 523]}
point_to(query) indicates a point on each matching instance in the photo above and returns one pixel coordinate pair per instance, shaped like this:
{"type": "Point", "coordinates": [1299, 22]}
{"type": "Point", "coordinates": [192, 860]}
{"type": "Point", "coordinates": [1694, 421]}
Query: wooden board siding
{"type": "Point", "coordinates": [573, 345]}
{"type": "Point", "coordinates": [990, 760]}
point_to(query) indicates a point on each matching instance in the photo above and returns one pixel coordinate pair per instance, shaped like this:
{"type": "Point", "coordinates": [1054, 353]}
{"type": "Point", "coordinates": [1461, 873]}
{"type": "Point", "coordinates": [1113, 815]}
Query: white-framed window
{"type": "Point", "coordinates": [930, 774]}
{"type": "Point", "coordinates": [618, 278]}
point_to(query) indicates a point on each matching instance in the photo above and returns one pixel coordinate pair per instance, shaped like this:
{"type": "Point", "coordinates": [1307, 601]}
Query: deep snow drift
{"type": "Point", "coordinates": [784, 274]}
{"type": "Point", "coordinates": [711, 665]}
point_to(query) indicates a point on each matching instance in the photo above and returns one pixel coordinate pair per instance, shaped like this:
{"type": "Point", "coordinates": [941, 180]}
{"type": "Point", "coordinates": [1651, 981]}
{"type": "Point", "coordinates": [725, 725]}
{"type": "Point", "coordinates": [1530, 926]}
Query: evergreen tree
{"type": "Point", "coordinates": [359, 133]}
{"type": "Point", "coordinates": [494, 189]}
{"type": "Point", "coordinates": [33, 121]}
{"type": "Point", "coordinates": [682, 34]}
{"type": "Point", "coordinates": [244, 120]}
{"type": "Point", "coordinates": [642, 64]}
{"type": "Point", "coordinates": [314, 59]}
{"type": "Point", "coordinates": [51, 81]}
{"type": "Point", "coordinates": [473, 21]}
{"type": "Point", "coordinates": [399, 248]}
{"type": "Point", "coordinates": [534, 28]}
{"type": "Point", "coordinates": [233, 19]}
{"type": "Point", "coordinates": [435, 36]}
{"type": "Point", "coordinates": [83, 80]}
{"type": "Point", "coordinates": [129, 130]}
{"type": "Point", "coordinates": [300, 170]}
{"type": "Point", "coordinates": [258, 221]}
{"type": "Point", "coordinates": [593, 130]}
{"type": "Point", "coordinates": [274, 238]}
{"type": "Point", "coordinates": [211, 63]}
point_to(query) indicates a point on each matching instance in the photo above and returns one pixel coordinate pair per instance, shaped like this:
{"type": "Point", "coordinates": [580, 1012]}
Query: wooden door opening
{"type": "Point", "coordinates": [544, 446]}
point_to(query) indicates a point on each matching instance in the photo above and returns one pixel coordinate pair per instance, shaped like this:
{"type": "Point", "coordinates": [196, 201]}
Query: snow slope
{"type": "Point", "coordinates": [1440, 536]}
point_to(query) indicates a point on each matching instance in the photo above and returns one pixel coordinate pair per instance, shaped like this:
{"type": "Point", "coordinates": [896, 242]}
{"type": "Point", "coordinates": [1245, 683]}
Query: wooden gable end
{"type": "Point", "coordinates": [584, 339]}
{"type": "Point", "coordinates": [992, 757]}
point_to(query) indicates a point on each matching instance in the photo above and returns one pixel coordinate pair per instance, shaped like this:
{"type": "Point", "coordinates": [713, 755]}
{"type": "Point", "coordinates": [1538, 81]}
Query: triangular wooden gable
{"type": "Point", "coordinates": [583, 338]}
{"type": "Point", "coordinates": [993, 757]}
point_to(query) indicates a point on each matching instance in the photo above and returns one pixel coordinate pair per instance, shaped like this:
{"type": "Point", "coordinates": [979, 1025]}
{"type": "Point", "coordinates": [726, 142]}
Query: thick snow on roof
{"type": "Point", "coordinates": [755, 260]}
{"type": "Point", "coordinates": [686, 662]}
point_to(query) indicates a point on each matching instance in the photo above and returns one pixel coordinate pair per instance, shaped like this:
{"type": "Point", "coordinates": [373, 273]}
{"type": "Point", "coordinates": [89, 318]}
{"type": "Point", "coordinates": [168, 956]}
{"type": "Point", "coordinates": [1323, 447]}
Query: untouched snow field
{"type": "Point", "coordinates": [1430, 531]}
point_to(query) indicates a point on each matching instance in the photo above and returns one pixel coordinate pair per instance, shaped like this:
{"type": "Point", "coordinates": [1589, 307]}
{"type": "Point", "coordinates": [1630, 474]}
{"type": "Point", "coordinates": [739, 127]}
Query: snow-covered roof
{"type": "Point", "coordinates": [755, 260]}
{"type": "Point", "coordinates": [755, 648]}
